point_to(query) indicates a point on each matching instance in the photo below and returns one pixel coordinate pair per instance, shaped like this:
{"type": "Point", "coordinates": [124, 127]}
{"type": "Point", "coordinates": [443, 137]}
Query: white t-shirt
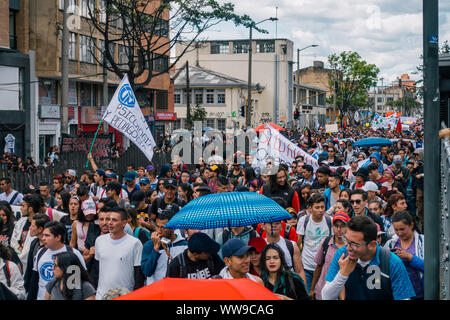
{"type": "Point", "coordinates": [17, 200]}
{"type": "Point", "coordinates": [45, 267]}
{"type": "Point", "coordinates": [117, 259]}
{"type": "Point", "coordinates": [312, 237]}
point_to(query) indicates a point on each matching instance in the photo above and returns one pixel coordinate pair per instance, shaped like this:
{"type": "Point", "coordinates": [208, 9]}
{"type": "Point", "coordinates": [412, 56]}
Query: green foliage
{"type": "Point", "coordinates": [354, 77]}
{"type": "Point", "coordinates": [406, 105]}
{"type": "Point", "coordinates": [198, 113]}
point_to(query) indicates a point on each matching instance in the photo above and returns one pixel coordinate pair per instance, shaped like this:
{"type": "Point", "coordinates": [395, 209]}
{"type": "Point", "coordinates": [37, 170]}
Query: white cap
{"type": "Point", "coordinates": [370, 186]}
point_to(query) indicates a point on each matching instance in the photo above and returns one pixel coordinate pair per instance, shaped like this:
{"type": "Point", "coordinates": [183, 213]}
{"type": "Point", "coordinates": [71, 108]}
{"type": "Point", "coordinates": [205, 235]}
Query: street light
{"type": "Point", "coordinates": [298, 58]}
{"type": "Point", "coordinates": [249, 88]}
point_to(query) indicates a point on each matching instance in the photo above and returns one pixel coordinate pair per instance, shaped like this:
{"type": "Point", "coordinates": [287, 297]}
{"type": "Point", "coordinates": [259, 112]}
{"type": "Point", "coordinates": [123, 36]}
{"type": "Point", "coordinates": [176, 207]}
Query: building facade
{"type": "Point", "coordinates": [271, 70]}
{"type": "Point", "coordinates": [15, 131]}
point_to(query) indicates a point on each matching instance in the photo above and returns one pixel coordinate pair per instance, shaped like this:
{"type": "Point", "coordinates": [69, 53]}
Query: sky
{"type": "Point", "coordinates": [387, 33]}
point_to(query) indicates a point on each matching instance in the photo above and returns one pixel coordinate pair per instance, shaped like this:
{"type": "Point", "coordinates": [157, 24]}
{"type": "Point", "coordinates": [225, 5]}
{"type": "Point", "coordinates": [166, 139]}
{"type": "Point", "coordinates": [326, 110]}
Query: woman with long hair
{"type": "Point", "coordinates": [185, 192]}
{"type": "Point", "coordinates": [409, 245]}
{"type": "Point", "coordinates": [14, 283]}
{"type": "Point", "coordinates": [86, 216]}
{"type": "Point", "coordinates": [277, 276]}
{"type": "Point", "coordinates": [396, 202]}
{"type": "Point", "coordinates": [278, 187]}
{"type": "Point", "coordinates": [63, 269]}
{"type": "Point", "coordinates": [63, 198]}
{"type": "Point", "coordinates": [74, 212]}
{"type": "Point", "coordinates": [138, 231]}
{"type": "Point", "coordinates": [6, 224]}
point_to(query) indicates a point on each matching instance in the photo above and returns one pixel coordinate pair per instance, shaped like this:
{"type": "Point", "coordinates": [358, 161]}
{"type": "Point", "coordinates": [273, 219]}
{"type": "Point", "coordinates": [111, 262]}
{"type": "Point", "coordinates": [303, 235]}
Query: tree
{"type": "Point", "coordinates": [353, 77]}
{"type": "Point", "coordinates": [198, 113]}
{"type": "Point", "coordinates": [406, 105]}
{"type": "Point", "coordinates": [147, 30]}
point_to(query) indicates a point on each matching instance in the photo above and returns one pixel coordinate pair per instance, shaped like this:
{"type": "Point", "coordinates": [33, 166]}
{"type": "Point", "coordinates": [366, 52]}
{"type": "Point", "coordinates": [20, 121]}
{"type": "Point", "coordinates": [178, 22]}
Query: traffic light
{"type": "Point", "coordinates": [296, 114]}
{"type": "Point", "coordinates": [400, 82]}
{"type": "Point", "coordinates": [242, 111]}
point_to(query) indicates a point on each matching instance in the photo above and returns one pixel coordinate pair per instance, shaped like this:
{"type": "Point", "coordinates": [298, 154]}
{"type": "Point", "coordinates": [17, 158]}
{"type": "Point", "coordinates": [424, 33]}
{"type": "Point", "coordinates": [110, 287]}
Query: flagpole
{"type": "Point", "coordinates": [95, 136]}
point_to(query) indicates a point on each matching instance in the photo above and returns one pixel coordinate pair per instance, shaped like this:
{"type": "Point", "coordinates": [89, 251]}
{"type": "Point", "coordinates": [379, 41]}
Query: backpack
{"type": "Point", "coordinates": [13, 198]}
{"type": "Point", "coordinates": [325, 246]}
{"type": "Point", "coordinates": [290, 248]}
{"type": "Point", "coordinates": [385, 257]}
{"type": "Point", "coordinates": [138, 229]}
{"type": "Point", "coordinates": [7, 273]}
{"type": "Point", "coordinates": [182, 261]}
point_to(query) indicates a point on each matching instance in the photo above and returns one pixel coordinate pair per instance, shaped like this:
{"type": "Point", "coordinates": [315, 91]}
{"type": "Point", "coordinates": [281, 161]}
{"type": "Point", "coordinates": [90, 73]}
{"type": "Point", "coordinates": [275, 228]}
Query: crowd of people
{"type": "Point", "coordinates": [355, 232]}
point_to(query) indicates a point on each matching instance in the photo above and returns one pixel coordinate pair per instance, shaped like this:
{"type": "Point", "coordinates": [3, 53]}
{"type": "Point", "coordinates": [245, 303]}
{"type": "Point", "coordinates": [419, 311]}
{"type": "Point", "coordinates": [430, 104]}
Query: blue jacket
{"type": "Point", "coordinates": [327, 196]}
{"type": "Point", "coordinates": [377, 156]}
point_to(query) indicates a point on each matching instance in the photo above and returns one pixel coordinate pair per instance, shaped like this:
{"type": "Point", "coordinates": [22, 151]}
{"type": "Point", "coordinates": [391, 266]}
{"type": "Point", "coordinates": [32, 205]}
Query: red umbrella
{"type": "Point", "coordinates": [201, 289]}
{"type": "Point", "coordinates": [273, 125]}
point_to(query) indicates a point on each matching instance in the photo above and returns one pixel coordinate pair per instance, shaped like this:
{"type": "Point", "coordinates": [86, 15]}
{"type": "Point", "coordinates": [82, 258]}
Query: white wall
{"type": "Point", "coordinates": [9, 88]}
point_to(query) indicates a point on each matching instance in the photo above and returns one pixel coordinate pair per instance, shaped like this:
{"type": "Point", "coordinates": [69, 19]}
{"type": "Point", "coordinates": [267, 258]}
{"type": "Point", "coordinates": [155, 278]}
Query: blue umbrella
{"type": "Point", "coordinates": [205, 129]}
{"type": "Point", "coordinates": [229, 209]}
{"type": "Point", "coordinates": [373, 142]}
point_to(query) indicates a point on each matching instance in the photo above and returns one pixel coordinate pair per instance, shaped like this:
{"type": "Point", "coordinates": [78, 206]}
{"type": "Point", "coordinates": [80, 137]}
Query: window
{"type": "Point", "coordinates": [88, 94]}
{"type": "Point", "coordinates": [221, 124]}
{"type": "Point", "coordinates": [302, 95]}
{"type": "Point", "coordinates": [390, 99]}
{"type": "Point", "coordinates": [177, 97]}
{"type": "Point", "coordinates": [198, 96]}
{"type": "Point", "coordinates": [85, 6]}
{"type": "Point", "coordinates": [112, 51]}
{"type": "Point", "coordinates": [210, 123]}
{"type": "Point", "coordinates": [321, 99]}
{"type": "Point", "coordinates": [160, 62]}
{"type": "Point", "coordinates": [48, 92]}
{"type": "Point", "coordinates": [162, 28]}
{"type": "Point", "coordinates": [265, 46]}
{"type": "Point", "coordinates": [209, 95]}
{"type": "Point", "coordinates": [312, 97]}
{"type": "Point", "coordinates": [87, 48]}
{"type": "Point", "coordinates": [220, 47]}
{"type": "Point", "coordinates": [220, 96]}
{"type": "Point", "coordinates": [240, 47]}
{"type": "Point", "coordinates": [12, 30]}
{"type": "Point", "coordinates": [177, 124]}
{"type": "Point", "coordinates": [102, 10]}
{"type": "Point", "coordinates": [72, 45]}
{"type": "Point", "coordinates": [161, 99]}
{"type": "Point", "coordinates": [294, 97]}
{"type": "Point", "coordinates": [72, 6]}
{"type": "Point", "coordinates": [123, 57]}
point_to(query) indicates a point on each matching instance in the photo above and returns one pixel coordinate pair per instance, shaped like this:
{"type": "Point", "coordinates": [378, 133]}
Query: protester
{"type": "Point", "coordinates": [86, 216]}
{"type": "Point", "coordinates": [119, 256]}
{"type": "Point", "coordinates": [13, 197]}
{"type": "Point", "coordinates": [351, 264]}
{"type": "Point", "coordinates": [257, 245]}
{"type": "Point", "coordinates": [11, 280]}
{"type": "Point", "coordinates": [278, 187]}
{"type": "Point", "coordinates": [278, 277]}
{"type": "Point", "coordinates": [199, 261]}
{"type": "Point", "coordinates": [7, 221]}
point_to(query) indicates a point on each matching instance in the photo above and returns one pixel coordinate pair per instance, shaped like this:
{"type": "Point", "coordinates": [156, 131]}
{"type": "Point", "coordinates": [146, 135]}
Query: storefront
{"type": "Point", "coordinates": [49, 129]}
{"type": "Point", "coordinates": [164, 124]}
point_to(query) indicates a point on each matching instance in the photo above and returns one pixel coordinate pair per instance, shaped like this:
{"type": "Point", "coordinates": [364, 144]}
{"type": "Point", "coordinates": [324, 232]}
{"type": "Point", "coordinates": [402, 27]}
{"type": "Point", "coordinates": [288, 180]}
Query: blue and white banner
{"type": "Point", "coordinates": [124, 114]}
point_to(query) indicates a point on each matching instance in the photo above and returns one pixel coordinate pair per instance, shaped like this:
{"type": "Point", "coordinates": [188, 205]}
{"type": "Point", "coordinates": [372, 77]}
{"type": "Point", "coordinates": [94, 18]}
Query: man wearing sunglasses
{"type": "Point", "coordinates": [366, 270]}
{"type": "Point", "coordinates": [70, 179]}
{"type": "Point", "coordinates": [359, 201]}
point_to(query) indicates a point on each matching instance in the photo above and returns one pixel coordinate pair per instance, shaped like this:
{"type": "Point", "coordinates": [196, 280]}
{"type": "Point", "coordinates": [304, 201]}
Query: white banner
{"type": "Point", "coordinates": [124, 114]}
{"type": "Point", "coordinates": [274, 146]}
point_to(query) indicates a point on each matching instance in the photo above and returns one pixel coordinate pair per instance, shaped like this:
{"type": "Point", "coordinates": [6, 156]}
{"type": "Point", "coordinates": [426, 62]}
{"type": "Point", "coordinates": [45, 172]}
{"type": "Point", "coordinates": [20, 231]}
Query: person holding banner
{"type": "Point", "coordinates": [278, 187]}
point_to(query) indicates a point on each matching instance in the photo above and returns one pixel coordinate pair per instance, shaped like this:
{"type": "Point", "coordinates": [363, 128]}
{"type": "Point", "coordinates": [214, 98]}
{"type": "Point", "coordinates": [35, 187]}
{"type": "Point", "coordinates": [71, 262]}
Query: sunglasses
{"type": "Point", "coordinates": [355, 201]}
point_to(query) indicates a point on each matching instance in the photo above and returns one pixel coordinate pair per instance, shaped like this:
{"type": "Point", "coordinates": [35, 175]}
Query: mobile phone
{"type": "Point", "coordinates": [394, 249]}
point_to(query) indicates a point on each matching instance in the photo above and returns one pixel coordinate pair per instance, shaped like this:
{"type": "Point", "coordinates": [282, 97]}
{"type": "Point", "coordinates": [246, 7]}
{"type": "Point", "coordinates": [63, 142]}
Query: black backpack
{"type": "Point", "coordinates": [182, 262]}
{"type": "Point", "coordinates": [325, 246]}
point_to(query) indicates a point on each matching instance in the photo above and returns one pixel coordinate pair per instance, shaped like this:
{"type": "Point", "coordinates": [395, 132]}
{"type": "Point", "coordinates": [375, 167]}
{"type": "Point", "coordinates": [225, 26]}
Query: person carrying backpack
{"type": "Point", "coordinates": [311, 229]}
{"type": "Point", "coordinates": [11, 280]}
{"type": "Point", "coordinates": [199, 261]}
{"type": "Point", "coordinates": [325, 254]}
{"type": "Point", "coordinates": [366, 270]}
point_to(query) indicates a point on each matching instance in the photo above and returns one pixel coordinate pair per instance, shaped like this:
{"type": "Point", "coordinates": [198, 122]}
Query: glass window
{"type": "Point", "coordinates": [240, 47]}
{"type": "Point", "coordinates": [220, 47]}
{"type": "Point", "coordinates": [265, 46]}
{"type": "Point", "coordinates": [302, 95]}
{"type": "Point", "coordinates": [160, 62]}
{"type": "Point", "coordinates": [87, 93]}
{"type": "Point", "coordinates": [86, 49]}
{"type": "Point", "coordinates": [72, 6]}
{"type": "Point", "coordinates": [312, 97]}
{"type": "Point", "coordinates": [210, 123]}
{"type": "Point", "coordinates": [209, 95]}
{"type": "Point", "coordinates": [12, 30]}
{"type": "Point", "coordinates": [321, 99]}
{"type": "Point", "coordinates": [87, 5]}
{"type": "Point", "coordinates": [380, 99]}
{"type": "Point", "coordinates": [161, 99]}
{"type": "Point", "coordinates": [221, 96]}
{"type": "Point", "coordinates": [198, 96]}
{"type": "Point", "coordinates": [177, 97]}
{"type": "Point", "coordinates": [48, 92]}
{"type": "Point", "coordinates": [221, 124]}
{"type": "Point", "coordinates": [123, 57]}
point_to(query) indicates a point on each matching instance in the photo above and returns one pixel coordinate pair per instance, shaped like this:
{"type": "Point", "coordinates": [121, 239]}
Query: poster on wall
{"type": "Point", "coordinates": [10, 142]}
{"type": "Point", "coordinates": [101, 150]}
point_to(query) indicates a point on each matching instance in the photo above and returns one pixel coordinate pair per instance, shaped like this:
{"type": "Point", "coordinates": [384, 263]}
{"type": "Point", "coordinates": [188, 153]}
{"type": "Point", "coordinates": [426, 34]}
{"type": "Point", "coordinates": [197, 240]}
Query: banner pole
{"type": "Point", "coordinates": [95, 136]}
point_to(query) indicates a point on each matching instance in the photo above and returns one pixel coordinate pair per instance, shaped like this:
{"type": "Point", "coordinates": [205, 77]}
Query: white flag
{"type": "Point", "coordinates": [124, 114]}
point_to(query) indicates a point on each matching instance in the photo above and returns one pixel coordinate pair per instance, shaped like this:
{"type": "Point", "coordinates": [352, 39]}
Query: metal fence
{"type": "Point", "coordinates": [445, 221]}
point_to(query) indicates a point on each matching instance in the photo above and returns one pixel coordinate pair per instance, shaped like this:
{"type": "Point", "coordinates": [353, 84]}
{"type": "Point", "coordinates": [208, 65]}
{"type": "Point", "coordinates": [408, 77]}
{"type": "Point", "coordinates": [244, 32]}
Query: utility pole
{"type": "Point", "coordinates": [188, 97]}
{"type": "Point", "coordinates": [65, 70]}
{"type": "Point", "coordinates": [105, 90]}
{"type": "Point", "coordinates": [297, 74]}
{"type": "Point", "coordinates": [333, 119]}
{"type": "Point", "coordinates": [248, 109]}
{"type": "Point", "coordinates": [431, 147]}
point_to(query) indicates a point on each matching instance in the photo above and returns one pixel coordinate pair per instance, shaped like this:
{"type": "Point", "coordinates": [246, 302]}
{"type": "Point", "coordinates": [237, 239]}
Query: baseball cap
{"type": "Point", "coordinates": [214, 168]}
{"type": "Point", "coordinates": [88, 207]}
{"type": "Point", "coordinates": [101, 172]}
{"type": "Point", "coordinates": [137, 197]}
{"type": "Point", "coordinates": [129, 176]}
{"type": "Point", "coordinates": [200, 242]}
{"type": "Point", "coordinates": [258, 243]}
{"type": "Point", "coordinates": [362, 172]}
{"type": "Point", "coordinates": [353, 159]}
{"type": "Point", "coordinates": [234, 247]}
{"type": "Point", "coordinates": [397, 159]}
{"type": "Point", "coordinates": [72, 172]}
{"type": "Point", "coordinates": [150, 167]}
{"type": "Point", "coordinates": [144, 180]}
{"type": "Point", "coordinates": [170, 183]}
{"type": "Point", "coordinates": [370, 186]}
{"type": "Point", "coordinates": [341, 216]}
{"type": "Point", "coordinates": [111, 175]}
{"type": "Point", "coordinates": [29, 189]}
